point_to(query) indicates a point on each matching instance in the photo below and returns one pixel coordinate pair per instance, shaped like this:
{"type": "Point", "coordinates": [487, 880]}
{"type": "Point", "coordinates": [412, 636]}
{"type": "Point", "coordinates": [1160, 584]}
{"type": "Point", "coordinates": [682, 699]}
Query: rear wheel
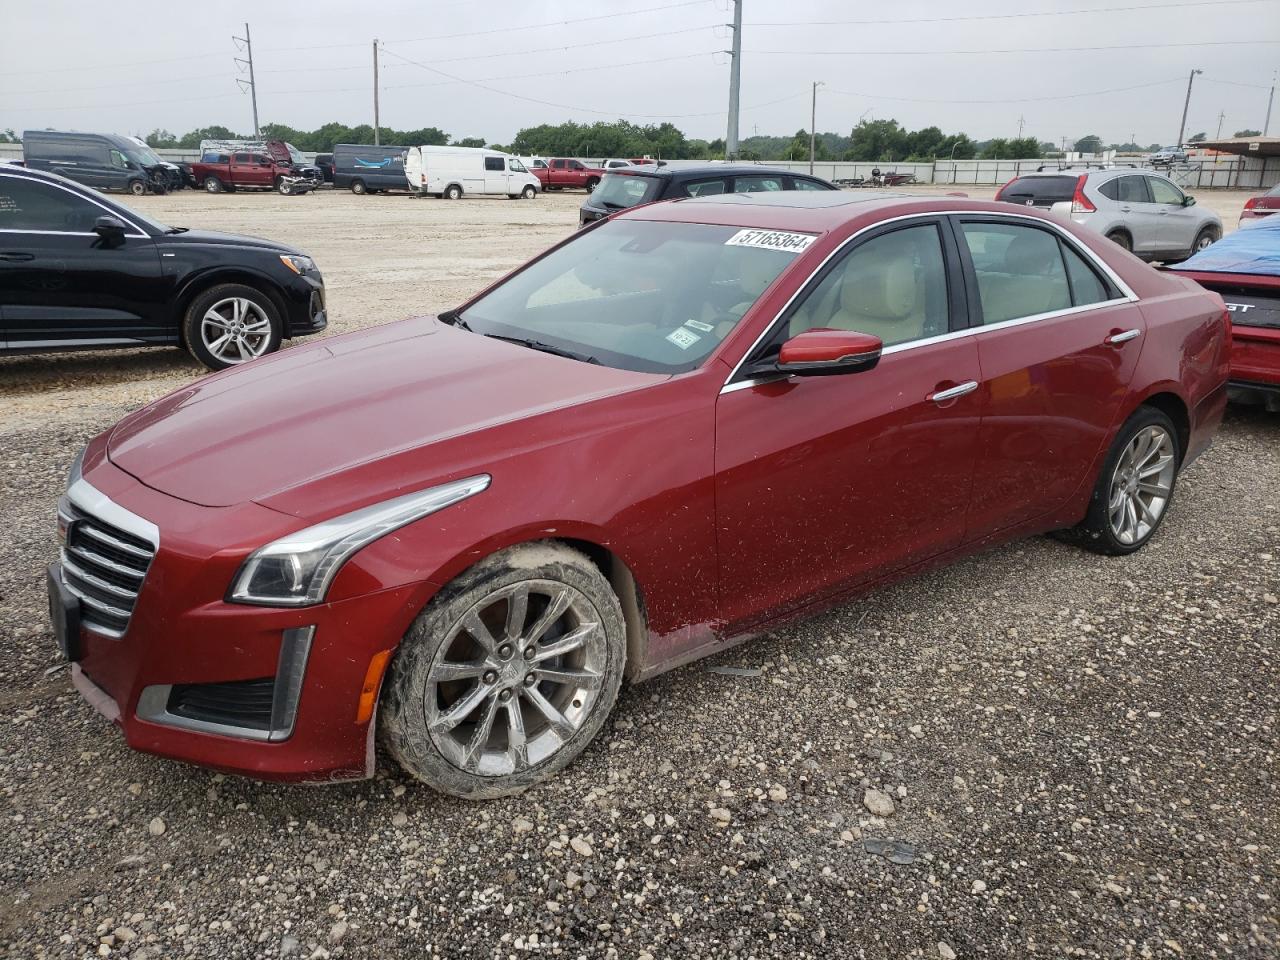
{"type": "Point", "coordinates": [231, 324]}
{"type": "Point", "coordinates": [212, 185]}
{"type": "Point", "coordinates": [1121, 239]}
{"type": "Point", "coordinates": [358, 187]}
{"type": "Point", "coordinates": [507, 675]}
{"type": "Point", "coordinates": [453, 192]}
{"type": "Point", "coordinates": [1134, 487]}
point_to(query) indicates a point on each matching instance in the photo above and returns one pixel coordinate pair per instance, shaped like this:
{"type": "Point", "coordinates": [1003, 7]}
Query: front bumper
{"type": "Point", "coordinates": [272, 693]}
{"type": "Point", "coordinates": [307, 307]}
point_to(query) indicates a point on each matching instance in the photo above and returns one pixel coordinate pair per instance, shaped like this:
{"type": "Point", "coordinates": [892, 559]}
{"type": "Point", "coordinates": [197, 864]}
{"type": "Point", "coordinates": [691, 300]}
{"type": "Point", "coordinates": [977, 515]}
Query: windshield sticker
{"type": "Point", "coordinates": [682, 338]}
{"type": "Point", "coordinates": [707, 328]}
{"type": "Point", "coordinates": [771, 240]}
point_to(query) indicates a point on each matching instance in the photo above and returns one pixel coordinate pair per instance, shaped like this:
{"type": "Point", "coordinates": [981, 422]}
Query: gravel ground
{"type": "Point", "coordinates": [1035, 752]}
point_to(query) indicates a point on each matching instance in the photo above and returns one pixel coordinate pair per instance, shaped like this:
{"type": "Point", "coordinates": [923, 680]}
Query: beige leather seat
{"type": "Point", "coordinates": [1034, 280]}
{"type": "Point", "coordinates": [878, 293]}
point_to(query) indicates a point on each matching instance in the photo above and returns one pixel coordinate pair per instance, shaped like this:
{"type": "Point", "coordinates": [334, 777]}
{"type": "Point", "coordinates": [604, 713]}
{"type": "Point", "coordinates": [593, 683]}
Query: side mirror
{"type": "Point", "coordinates": [824, 352]}
{"type": "Point", "coordinates": [1188, 201]}
{"type": "Point", "coordinates": [110, 229]}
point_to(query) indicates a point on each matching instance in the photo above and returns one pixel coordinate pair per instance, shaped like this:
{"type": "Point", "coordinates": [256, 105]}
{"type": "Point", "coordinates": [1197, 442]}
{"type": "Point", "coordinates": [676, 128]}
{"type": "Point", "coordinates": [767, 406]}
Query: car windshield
{"type": "Point", "coordinates": [142, 156]}
{"type": "Point", "coordinates": [638, 295]}
{"type": "Point", "coordinates": [620, 190]}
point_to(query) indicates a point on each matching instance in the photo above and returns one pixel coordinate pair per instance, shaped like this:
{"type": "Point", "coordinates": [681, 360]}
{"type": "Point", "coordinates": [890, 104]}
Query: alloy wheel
{"type": "Point", "coordinates": [235, 330]}
{"type": "Point", "coordinates": [1141, 485]}
{"type": "Point", "coordinates": [518, 676]}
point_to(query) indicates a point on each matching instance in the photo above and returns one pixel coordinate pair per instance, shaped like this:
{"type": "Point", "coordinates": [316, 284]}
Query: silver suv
{"type": "Point", "coordinates": [1142, 211]}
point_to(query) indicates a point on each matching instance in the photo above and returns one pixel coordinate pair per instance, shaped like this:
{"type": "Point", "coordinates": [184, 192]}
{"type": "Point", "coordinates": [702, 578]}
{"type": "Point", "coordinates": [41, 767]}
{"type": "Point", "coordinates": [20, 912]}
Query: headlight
{"type": "Point", "coordinates": [73, 472]}
{"type": "Point", "coordinates": [298, 264]}
{"type": "Point", "coordinates": [296, 570]}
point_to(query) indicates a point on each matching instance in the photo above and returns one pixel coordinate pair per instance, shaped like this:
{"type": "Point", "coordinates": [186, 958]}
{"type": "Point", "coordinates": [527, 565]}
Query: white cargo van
{"type": "Point", "coordinates": [454, 172]}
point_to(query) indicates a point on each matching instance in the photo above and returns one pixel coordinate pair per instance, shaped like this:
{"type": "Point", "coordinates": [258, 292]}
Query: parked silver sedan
{"type": "Point", "coordinates": [1142, 211]}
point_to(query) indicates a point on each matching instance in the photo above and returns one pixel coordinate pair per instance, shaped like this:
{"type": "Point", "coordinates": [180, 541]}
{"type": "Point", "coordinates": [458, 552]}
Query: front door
{"type": "Point", "coordinates": [63, 285]}
{"type": "Point", "coordinates": [1179, 222]}
{"type": "Point", "coordinates": [1058, 345]}
{"type": "Point", "coordinates": [823, 483]}
{"type": "Point", "coordinates": [496, 176]}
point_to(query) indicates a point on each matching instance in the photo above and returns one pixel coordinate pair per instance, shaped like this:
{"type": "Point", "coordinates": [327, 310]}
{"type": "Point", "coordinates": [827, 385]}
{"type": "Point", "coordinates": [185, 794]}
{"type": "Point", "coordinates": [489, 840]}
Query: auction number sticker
{"type": "Point", "coordinates": [771, 240]}
{"type": "Point", "coordinates": [682, 338]}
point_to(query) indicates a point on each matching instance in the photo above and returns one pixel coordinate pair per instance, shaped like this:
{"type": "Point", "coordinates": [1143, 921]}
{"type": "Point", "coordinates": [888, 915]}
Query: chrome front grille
{"type": "Point", "coordinates": [103, 564]}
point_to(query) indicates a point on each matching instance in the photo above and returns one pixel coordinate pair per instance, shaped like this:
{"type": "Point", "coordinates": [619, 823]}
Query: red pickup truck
{"type": "Point", "coordinates": [560, 173]}
{"type": "Point", "coordinates": [267, 165]}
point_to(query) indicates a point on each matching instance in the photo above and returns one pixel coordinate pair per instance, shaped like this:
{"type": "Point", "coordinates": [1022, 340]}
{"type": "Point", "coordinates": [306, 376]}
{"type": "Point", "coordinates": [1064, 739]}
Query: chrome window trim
{"type": "Point", "coordinates": [1127, 294]}
{"type": "Point", "coordinates": [142, 234]}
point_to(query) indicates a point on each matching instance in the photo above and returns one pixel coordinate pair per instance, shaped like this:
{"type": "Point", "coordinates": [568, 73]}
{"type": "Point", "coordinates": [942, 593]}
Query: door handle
{"type": "Point", "coordinates": [16, 257]}
{"type": "Point", "coordinates": [951, 393]}
{"type": "Point", "coordinates": [1118, 338]}
{"type": "Point", "coordinates": [1126, 209]}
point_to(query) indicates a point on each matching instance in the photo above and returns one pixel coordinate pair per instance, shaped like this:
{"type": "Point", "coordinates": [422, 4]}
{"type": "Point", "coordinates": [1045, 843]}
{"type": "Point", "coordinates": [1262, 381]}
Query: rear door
{"type": "Point", "coordinates": [1140, 216]}
{"type": "Point", "coordinates": [1058, 340]}
{"type": "Point", "coordinates": [558, 173]}
{"type": "Point", "coordinates": [62, 285]}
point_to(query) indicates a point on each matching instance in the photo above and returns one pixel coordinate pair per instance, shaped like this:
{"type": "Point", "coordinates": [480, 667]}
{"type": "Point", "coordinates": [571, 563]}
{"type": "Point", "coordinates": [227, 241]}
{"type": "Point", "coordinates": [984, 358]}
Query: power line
{"type": "Point", "coordinates": [1062, 96]}
{"type": "Point", "coordinates": [946, 53]}
{"type": "Point", "coordinates": [573, 46]}
{"type": "Point", "coordinates": [1003, 16]}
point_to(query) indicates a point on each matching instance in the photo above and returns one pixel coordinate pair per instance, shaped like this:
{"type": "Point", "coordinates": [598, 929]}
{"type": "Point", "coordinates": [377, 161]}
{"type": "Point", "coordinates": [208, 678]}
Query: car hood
{"type": "Point", "coordinates": [212, 238]}
{"type": "Point", "coordinates": [308, 413]}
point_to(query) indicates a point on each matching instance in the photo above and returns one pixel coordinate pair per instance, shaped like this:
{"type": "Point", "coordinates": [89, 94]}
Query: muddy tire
{"type": "Point", "coordinates": [507, 675]}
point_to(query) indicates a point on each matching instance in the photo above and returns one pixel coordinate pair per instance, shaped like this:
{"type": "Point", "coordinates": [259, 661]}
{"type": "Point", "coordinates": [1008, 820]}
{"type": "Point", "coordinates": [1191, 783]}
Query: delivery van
{"type": "Point", "coordinates": [362, 168]}
{"type": "Point", "coordinates": [456, 172]}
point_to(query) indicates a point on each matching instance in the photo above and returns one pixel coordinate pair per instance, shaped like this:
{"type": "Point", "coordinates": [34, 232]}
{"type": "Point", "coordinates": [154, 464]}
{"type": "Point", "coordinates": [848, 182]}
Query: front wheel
{"type": "Point", "coordinates": [1134, 487]}
{"type": "Point", "coordinates": [1204, 239]}
{"type": "Point", "coordinates": [592, 184]}
{"type": "Point", "coordinates": [529, 192]}
{"type": "Point", "coordinates": [283, 187]}
{"type": "Point", "coordinates": [212, 185]}
{"type": "Point", "coordinates": [231, 324]}
{"type": "Point", "coordinates": [507, 675]}
{"type": "Point", "coordinates": [137, 187]}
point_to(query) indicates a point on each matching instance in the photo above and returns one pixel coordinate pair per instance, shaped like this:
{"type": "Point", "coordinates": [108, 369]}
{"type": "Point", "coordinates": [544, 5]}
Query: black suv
{"type": "Point", "coordinates": [79, 272]}
{"type": "Point", "coordinates": [631, 186]}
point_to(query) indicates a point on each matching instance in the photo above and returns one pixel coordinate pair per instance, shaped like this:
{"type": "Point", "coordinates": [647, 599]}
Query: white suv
{"type": "Point", "coordinates": [1144, 212]}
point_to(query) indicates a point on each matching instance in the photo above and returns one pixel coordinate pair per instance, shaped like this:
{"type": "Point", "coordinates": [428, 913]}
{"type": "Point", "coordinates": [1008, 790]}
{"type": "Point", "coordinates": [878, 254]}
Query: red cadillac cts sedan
{"type": "Point", "coordinates": [668, 433]}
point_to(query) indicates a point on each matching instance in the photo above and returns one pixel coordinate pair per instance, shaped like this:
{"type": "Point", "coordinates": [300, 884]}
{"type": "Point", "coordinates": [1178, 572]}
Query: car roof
{"type": "Point", "coordinates": [712, 169]}
{"type": "Point", "coordinates": [812, 211]}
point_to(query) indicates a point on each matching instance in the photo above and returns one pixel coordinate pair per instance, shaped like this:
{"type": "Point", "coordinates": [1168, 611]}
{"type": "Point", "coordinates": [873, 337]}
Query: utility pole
{"type": "Point", "coordinates": [252, 87]}
{"type": "Point", "coordinates": [1222, 115]}
{"type": "Point", "coordinates": [1021, 122]}
{"type": "Point", "coordinates": [813, 124]}
{"type": "Point", "coordinates": [376, 141]}
{"type": "Point", "coordinates": [1266, 126]}
{"type": "Point", "coordinates": [1182, 130]}
{"type": "Point", "coordinates": [735, 82]}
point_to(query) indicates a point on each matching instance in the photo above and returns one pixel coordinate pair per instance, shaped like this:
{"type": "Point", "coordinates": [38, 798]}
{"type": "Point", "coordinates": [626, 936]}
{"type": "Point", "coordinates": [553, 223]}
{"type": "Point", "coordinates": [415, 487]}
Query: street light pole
{"type": "Point", "coordinates": [1182, 130]}
{"type": "Point", "coordinates": [813, 124]}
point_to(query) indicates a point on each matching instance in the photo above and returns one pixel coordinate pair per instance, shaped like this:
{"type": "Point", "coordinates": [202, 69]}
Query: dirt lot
{"type": "Point", "coordinates": [1081, 753]}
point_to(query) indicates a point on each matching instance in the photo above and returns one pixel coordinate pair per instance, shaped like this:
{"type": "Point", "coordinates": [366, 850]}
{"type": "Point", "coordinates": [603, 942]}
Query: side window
{"type": "Point", "coordinates": [25, 205]}
{"type": "Point", "coordinates": [494, 163]}
{"type": "Point", "coordinates": [262, 160]}
{"type": "Point", "coordinates": [1111, 189]}
{"type": "Point", "coordinates": [893, 286]}
{"type": "Point", "coordinates": [757, 184]}
{"type": "Point", "coordinates": [1162, 191]}
{"type": "Point", "coordinates": [241, 158]}
{"type": "Point", "coordinates": [575, 165]}
{"type": "Point", "coordinates": [118, 160]}
{"type": "Point", "coordinates": [1132, 190]}
{"type": "Point", "coordinates": [557, 164]}
{"type": "Point", "coordinates": [1019, 269]}
{"type": "Point", "coordinates": [703, 188]}
{"type": "Point", "coordinates": [1086, 286]}
{"type": "Point", "coordinates": [807, 185]}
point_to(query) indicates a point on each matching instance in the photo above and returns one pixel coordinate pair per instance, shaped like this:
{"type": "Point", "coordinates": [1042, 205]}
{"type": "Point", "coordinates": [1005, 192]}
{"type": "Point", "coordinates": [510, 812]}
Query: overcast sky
{"type": "Point", "coordinates": [142, 65]}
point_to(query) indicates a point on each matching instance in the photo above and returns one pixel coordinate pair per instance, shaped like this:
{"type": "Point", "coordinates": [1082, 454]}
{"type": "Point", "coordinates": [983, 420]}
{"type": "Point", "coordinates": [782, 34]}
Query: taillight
{"type": "Point", "coordinates": [1079, 202]}
{"type": "Point", "coordinates": [424, 179]}
{"type": "Point", "coordinates": [1000, 192]}
{"type": "Point", "coordinates": [1251, 203]}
